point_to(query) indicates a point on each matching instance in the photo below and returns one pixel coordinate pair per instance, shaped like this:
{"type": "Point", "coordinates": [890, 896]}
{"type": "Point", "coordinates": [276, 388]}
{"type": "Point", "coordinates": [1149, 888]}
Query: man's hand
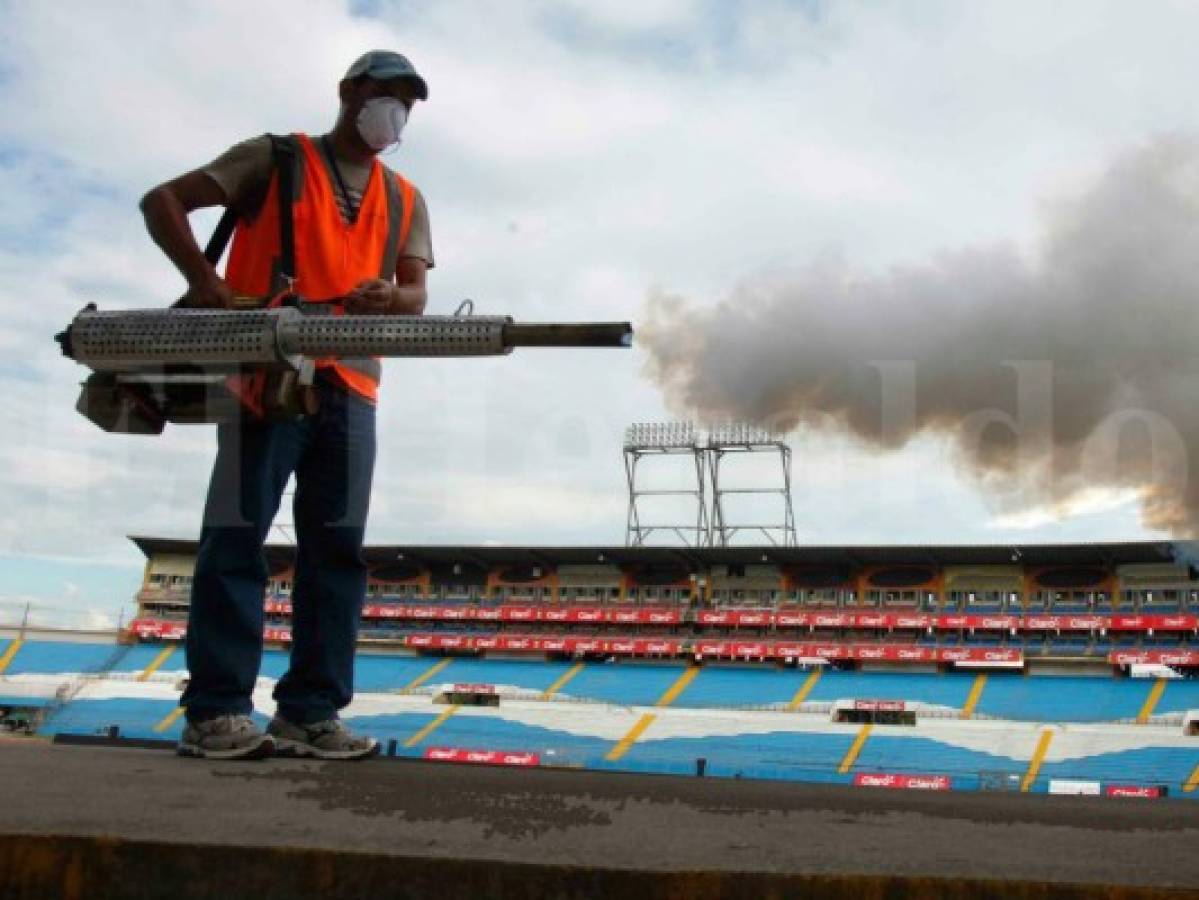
{"type": "Point", "coordinates": [372, 297]}
{"type": "Point", "coordinates": [209, 292]}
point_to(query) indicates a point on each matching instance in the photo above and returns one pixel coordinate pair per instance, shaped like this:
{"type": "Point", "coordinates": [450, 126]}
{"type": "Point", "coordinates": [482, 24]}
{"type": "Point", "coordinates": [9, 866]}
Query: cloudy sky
{"type": "Point", "coordinates": [577, 158]}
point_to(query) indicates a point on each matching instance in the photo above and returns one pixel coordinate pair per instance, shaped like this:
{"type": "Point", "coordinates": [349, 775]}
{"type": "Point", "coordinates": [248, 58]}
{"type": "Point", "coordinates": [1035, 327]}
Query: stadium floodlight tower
{"type": "Point", "coordinates": [679, 442]}
{"type": "Point", "coordinates": [739, 438]}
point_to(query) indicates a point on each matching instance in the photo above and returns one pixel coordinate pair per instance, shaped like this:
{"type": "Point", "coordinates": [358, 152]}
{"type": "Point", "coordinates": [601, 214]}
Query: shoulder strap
{"type": "Point", "coordinates": [221, 234]}
{"type": "Point", "coordinates": [284, 151]}
{"type": "Point", "coordinates": [283, 156]}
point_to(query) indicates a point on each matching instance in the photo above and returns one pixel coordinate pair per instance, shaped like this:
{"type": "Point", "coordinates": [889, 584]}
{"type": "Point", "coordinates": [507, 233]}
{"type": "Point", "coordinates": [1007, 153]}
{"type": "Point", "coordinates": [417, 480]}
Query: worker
{"type": "Point", "coordinates": [359, 243]}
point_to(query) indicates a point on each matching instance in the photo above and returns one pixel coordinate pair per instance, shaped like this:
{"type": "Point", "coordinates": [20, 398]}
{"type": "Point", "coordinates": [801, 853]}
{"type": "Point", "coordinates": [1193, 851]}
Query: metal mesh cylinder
{"type": "Point", "coordinates": [119, 341]}
{"type": "Point", "coordinates": [358, 336]}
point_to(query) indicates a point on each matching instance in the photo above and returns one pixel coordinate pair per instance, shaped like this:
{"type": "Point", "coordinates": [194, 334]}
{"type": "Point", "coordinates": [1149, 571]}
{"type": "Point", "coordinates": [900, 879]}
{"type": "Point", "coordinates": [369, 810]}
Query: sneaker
{"type": "Point", "coordinates": [225, 737]}
{"type": "Point", "coordinates": [323, 740]}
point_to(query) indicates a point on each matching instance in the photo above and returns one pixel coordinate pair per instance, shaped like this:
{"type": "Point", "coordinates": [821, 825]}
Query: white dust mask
{"type": "Point", "coordinates": [381, 121]}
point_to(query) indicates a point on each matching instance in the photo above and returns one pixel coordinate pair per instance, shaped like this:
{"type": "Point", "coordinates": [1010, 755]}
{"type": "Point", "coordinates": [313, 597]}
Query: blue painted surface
{"type": "Point", "coordinates": [138, 657]}
{"type": "Point", "coordinates": [529, 674]}
{"type": "Point", "coordinates": [782, 755]}
{"type": "Point", "coordinates": [716, 686]}
{"type": "Point", "coordinates": [394, 726]}
{"type": "Point", "coordinates": [16, 700]}
{"type": "Point", "coordinates": [475, 732]}
{"type": "Point", "coordinates": [627, 684]}
{"type": "Point", "coordinates": [44, 657]}
{"type": "Point", "coordinates": [1179, 696]}
{"type": "Point", "coordinates": [1065, 699]}
{"type": "Point", "coordinates": [1148, 765]}
{"type": "Point", "coordinates": [380, 673]}
{"type": "Point", "coordinates": [274, 664]}
{"type": "Point", "coordinates": [944, 690]}
{"type": "Point", "coordinates": [135, 717]}
{"type": "Point", "coordinates": [917, 755]}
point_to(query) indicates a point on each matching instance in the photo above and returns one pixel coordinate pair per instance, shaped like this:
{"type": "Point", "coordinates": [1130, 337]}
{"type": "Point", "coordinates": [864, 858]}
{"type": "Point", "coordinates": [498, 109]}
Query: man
{"type": "Point", "coordinates": [361, 241]}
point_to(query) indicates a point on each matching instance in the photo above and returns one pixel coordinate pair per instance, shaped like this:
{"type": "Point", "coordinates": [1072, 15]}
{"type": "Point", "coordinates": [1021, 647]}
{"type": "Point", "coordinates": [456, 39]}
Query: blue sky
{"type": "Point", "coordinates": [576, 157]}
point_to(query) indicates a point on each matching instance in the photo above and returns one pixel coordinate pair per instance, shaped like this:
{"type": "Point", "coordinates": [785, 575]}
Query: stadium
{"type": "Point", "coordinates": [950, 666]}
{"type": "Point", "coordinates": [956, 671]}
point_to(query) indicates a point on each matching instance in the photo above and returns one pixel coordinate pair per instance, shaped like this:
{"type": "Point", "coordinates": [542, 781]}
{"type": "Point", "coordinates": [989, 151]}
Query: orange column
{"type": "Point", "coordinates": [859, 586]}
{"type": "Point", "coordinates": [1027, 588]}
{"type": "Point", "coordinates": [1113, 586]}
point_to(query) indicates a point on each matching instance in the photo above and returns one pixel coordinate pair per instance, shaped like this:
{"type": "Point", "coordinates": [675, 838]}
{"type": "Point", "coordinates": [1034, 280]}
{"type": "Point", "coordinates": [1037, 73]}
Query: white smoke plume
{"type": "Point", "coordinates": [1054, 372]}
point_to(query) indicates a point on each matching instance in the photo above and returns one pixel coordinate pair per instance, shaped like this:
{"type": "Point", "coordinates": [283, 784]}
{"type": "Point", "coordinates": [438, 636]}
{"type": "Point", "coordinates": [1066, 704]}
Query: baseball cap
{"type": "Point", "coordinates": [381, 65]}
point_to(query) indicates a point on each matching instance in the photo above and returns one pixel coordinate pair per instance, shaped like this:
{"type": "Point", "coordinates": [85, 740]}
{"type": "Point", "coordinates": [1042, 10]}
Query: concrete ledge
{"type": "Point", "coordinates": [33, 867]}
{"type": "Point", "coordinates": [94, 822]}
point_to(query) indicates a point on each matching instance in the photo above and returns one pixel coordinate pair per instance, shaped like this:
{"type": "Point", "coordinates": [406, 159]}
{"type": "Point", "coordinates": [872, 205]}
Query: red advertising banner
{"type": "Point", "coordinates": [473, 688]}
{"type": "Point", "coordinates": [1133, 790]}
{"type": "Point", "coordinates": [866, 652]}
{"type": "Point", "coordinates": [908, 782]}
{"type": "Point", "coordinates": [630, 645]}
{"type": "Point", "coordinates": [758, 618]}
{"type": "Point", "coordinates": [1154, 623]}
{"type": "Point", "coordinates": [146, 628]}
{"type": "Point", "coordinates": [1064, 623]}
{"type": "Point", "coordinates": [484, 757]}
{"type": "Point", "coordinates": [879, 705]}
{"type": "Point", "coordinates": [1154, 657]}
{"type": "Point", "coordinates": [518, 614]}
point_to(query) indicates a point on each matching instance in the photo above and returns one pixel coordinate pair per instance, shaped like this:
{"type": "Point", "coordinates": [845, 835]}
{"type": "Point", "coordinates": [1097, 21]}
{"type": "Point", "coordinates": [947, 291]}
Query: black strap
{"type": "Point", "coordinates": [284, 152]}
{"type": "Point", "coordinates": [283, 157]}
{"type": "Point", "coordinates": [220, 235]}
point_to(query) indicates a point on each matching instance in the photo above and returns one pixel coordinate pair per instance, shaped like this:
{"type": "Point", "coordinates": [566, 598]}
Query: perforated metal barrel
{"type": "Point", "coordinates": [124, 340]}
{"type": "Point", "coordinates": [357, 336]}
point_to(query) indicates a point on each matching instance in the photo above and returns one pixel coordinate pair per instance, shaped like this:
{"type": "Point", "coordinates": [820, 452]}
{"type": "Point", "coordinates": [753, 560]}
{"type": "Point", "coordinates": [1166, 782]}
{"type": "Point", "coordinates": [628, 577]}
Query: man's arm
{"type": "Point", "coordinates": [165, 209]}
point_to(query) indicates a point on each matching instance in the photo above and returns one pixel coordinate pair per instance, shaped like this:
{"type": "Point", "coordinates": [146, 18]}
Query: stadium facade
{"type": "Point", "coordinates": [1000, 606]}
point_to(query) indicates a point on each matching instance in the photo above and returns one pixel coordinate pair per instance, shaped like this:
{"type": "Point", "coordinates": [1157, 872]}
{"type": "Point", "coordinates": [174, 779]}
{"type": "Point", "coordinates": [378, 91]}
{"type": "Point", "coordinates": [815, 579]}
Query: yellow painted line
{"type": "Point", "coordinates": [1038, 757]}
{"type": "Point", "coordinates": [431, 727]}
{"type": "Point", "coordinates": [1192, 782]}
{"type": "Point", "coordinates": [156, 663]}
{"type": "Point", "coordinates": [678, 687]}
{"type": "Point", "coordinates": [976, 693]}
{"type": "Point", "coordinates": [9, 654]}
{"type": "Point", "coordinates": [631, 738]}
{"type": "Point", "coordinates": [802, 694]}
{"type": "Point", "coordinates": [171, 718]}
{"type": "Point", "coordinates": [1155, 694]}
{"type": "Point", "coordinates": [855, 749]}
{"type": "Point", "coordinates": [561, 682]}
{"type": "Point", "coordinates": [421, 679]}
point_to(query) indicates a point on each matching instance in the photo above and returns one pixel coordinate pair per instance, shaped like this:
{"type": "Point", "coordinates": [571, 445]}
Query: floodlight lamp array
{"type": "Point", "coordinates": [660, 435]}
{"type": "Point", "coordinates": [741, 434]}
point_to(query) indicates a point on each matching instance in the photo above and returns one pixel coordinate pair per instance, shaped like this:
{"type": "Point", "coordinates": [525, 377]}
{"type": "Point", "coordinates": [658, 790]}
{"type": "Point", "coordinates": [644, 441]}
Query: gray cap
{"type": "Point", "coordinates": [380, 65]}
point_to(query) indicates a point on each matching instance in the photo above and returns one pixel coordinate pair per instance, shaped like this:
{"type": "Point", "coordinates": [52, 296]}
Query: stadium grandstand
{"type": "Point", "coordinates": [998, 668]}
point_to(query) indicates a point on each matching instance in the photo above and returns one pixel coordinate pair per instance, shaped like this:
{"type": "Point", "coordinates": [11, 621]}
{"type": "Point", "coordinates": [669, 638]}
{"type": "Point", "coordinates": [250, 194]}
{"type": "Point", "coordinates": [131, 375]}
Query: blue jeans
{"type": "Point", "coordinates": [332, 454]}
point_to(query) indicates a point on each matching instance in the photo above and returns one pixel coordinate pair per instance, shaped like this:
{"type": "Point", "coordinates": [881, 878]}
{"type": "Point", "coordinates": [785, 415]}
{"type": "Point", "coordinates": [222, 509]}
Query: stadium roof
{"type": "Point", "coordinates": [487, 556]}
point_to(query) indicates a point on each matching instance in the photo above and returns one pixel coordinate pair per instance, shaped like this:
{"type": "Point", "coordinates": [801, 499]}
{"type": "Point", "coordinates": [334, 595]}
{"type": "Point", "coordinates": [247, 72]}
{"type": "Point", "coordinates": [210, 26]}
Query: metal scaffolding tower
{"type": "Point", "coordinates": [738, 439]}
{"type": "Point", "coordinates": [704, 455]}
{"type": "Point", "coordinates": [666, 440]}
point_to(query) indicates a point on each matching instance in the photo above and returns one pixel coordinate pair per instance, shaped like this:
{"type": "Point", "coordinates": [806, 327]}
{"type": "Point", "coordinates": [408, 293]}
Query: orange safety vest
{"type": "Point", "coordinates": [331, 256]}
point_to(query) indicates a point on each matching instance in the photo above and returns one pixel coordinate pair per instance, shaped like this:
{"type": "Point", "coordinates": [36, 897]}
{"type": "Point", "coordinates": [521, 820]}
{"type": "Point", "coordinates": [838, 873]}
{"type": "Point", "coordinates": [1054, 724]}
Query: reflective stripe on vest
{"type": "Point", "coordinates": [332, 256]}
